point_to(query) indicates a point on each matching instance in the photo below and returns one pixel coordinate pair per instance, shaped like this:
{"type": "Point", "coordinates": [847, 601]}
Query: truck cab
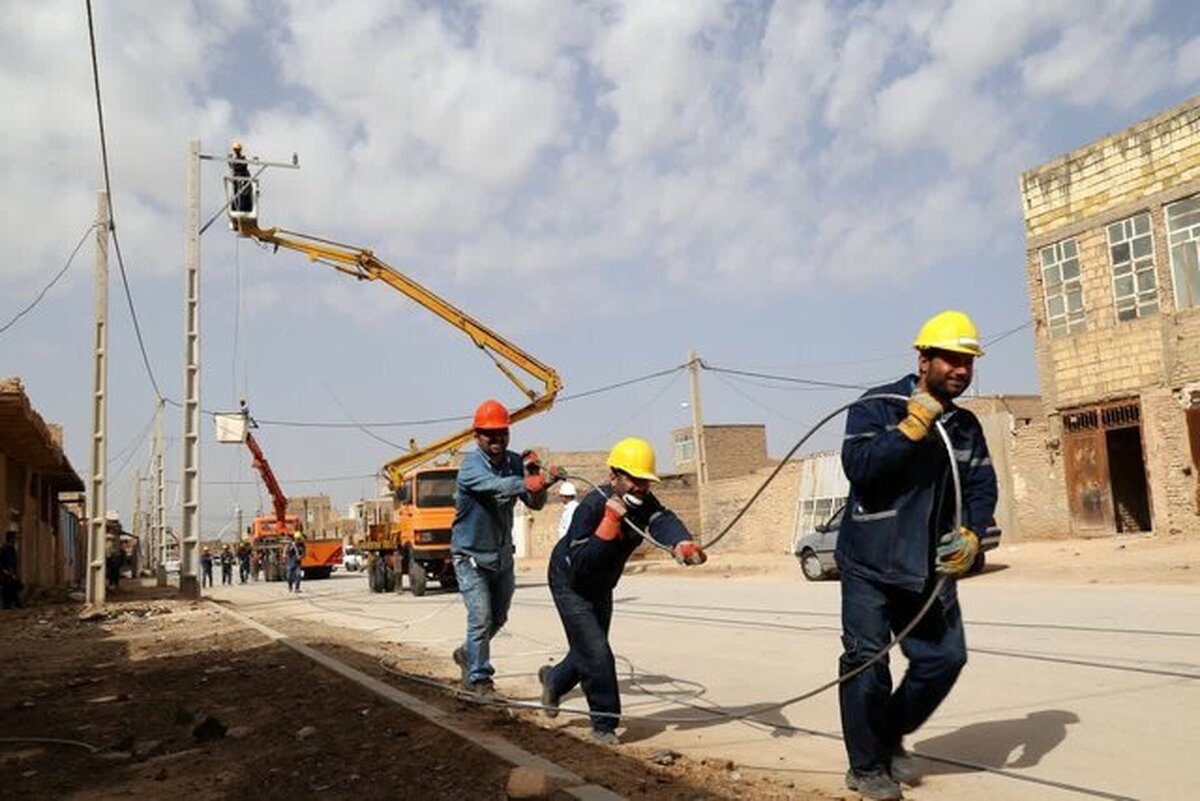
{"type": "Point", "coordinates": [417, 542]}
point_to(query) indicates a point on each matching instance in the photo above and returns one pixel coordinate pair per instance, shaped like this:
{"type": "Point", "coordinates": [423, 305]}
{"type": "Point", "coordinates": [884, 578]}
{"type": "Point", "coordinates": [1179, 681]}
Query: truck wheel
{"type": "Point", "coordinates": [389, 578]}
{"type": "Point", "coordinates": [372, 583]}
{"type": "Point", "coordinates": [416, 578]}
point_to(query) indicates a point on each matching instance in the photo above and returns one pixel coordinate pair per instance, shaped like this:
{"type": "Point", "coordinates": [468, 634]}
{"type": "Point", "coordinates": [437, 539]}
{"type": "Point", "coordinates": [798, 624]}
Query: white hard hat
{"type": "Point", "coordinates": [566, 489]}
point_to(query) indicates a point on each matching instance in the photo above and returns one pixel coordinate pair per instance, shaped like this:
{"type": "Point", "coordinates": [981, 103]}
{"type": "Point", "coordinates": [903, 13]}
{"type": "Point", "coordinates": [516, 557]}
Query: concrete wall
{"type": "Point", "coordinates": [1154, 359]}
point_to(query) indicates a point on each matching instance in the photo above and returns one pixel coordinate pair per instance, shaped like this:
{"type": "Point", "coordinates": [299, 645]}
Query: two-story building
{"type": "Point", "coordinates": [1112, 231]}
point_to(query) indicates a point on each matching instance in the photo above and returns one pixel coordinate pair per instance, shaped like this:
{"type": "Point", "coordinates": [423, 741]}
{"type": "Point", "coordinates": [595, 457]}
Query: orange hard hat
{"type": "Point", "coordinates": [491, 415]}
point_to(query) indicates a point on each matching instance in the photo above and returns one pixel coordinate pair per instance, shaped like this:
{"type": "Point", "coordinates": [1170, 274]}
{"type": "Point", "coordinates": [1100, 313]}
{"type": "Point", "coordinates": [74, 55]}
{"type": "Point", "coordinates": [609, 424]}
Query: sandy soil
{"type": "Point", "coordinates": [178, 699]}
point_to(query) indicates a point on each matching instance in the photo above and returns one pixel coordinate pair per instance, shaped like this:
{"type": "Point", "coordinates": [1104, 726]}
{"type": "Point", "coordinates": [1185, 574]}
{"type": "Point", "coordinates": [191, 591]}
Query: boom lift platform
{"type": "Point", "coordinates": [417, 541]}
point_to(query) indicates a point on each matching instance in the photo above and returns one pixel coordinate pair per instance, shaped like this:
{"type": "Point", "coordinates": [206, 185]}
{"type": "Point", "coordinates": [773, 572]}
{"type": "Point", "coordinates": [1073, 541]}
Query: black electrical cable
{"type": "Point", "coordinates": [50, 285]}
{"type": "Point", "coordinates": [112, 225]}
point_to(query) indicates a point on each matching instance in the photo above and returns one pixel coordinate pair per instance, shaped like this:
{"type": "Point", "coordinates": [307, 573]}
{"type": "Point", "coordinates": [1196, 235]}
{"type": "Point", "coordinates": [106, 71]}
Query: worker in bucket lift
{"type": "Point", "coordinates": [585, 567]}
{"type": "Point", "coordinates": [490, 480]}
{"type": "Point", "coordinates": [242, 200]}
{"type": "Point", "coordinates": [897, 537]}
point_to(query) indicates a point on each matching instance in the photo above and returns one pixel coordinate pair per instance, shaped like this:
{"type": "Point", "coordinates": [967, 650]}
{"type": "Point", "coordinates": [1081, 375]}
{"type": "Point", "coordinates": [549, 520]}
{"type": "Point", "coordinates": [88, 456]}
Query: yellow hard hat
{"type": "Point", "coordinates": [635, 457]}
{"type": "Point", "coordinates": [949, 330]}
{"type": "Point", "coordinates": [298, 536]}
{"type": "Point", "coordinates": [236, 145]}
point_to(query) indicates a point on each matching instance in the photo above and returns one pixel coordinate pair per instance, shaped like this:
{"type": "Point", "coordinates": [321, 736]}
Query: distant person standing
{"type": "Point", "coordinates": [226, 565]}
{"type": "Point", "coordinates": [243, 558]}
{"type": "Point", "coordinates": [295, 558]}
{"type": "Point", "coordinates": [567, 497]}
{"type": "Point", "coordinates": [10, 571]}
{"type": "Point", "coordinates": [206, 568]}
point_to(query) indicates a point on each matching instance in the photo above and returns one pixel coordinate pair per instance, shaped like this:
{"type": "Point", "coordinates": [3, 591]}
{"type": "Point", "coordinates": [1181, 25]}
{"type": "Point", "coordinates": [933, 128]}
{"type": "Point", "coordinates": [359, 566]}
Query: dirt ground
{"type": "Point", "coordinates": [162, 698]}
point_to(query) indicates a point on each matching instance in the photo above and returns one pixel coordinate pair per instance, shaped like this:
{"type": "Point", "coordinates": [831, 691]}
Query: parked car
{"type": "Point", "coordinates": [814, 550]}
{"type": "Point", "coordinates": [352, 559]}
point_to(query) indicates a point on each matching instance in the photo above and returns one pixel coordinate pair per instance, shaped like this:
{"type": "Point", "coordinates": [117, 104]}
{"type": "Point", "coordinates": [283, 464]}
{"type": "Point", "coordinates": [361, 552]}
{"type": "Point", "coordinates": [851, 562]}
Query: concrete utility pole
{"type": "Point", "coordinates": [698, 456]}
{"type": "Point", "coordinates": [160, 504]}
{"type": "Point", "coordinates": [189, 559]}
{"type": "Point", "coordinates": [95, 586]}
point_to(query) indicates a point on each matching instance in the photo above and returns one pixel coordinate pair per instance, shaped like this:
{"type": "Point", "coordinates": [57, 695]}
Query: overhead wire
{"type": "Point", "coordinates": [112, 224]}
{"type": "Point", "coordinates": [62, 271]}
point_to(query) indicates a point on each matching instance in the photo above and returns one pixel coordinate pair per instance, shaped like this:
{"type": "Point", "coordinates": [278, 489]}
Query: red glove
{"type": "Point", "coordinates": [610, 527]}
{"type": "Point", "coordinates": [531, 462]}
{"type": "Point", "coordinates": [689, 553]}
{"type": "Point", "coordinates": [535, 483]}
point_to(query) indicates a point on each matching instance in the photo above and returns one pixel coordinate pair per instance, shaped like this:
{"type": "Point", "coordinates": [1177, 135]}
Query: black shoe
{"type": "Point", "coordinates": [460, 659]}
{"type": "Point", "coordinates": [904, 768]}
{"type": "Point", "coordinates": [876, 785]}
{"type": "Point", "coordinates": [549, 699]}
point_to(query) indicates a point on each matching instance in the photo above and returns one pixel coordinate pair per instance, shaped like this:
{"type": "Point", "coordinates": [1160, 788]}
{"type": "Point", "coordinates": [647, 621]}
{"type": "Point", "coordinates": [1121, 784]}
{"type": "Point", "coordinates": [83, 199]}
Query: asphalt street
{"type": "Point", "coordinates": [1070, 692]}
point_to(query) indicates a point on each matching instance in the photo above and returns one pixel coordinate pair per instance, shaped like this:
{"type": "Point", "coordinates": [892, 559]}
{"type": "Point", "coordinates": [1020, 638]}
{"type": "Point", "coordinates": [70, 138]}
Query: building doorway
{"type": "Point", "coordinates": [1105, 469]}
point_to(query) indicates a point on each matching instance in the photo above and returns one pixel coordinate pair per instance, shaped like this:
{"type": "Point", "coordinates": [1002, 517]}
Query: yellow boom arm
{"type": "Point", "coordinates": [363, 265]}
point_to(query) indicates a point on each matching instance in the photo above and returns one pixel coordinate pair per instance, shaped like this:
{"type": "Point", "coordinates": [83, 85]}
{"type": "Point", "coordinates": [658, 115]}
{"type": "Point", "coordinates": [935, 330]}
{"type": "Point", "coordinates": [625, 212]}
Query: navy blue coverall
{"type": "Point", "coordinates": [901, 501]}
{"type": "Point", "coordinates": [583, 571]}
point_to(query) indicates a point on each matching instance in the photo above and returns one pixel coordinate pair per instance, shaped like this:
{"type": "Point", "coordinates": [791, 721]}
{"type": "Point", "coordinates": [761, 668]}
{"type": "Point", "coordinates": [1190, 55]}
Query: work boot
{"type": "Point", "coordinates": [460, 659]}
{"type": "Point", "coordinates": [483, 689]}
{"type": "Point", "coordinates": [904, 768]}
{"type": "Point", "coordinates": [605, 737]}
{"type": "Point", "coordinates": [876, 785]}
{"type": "Point", "coordinates": [549, 699]}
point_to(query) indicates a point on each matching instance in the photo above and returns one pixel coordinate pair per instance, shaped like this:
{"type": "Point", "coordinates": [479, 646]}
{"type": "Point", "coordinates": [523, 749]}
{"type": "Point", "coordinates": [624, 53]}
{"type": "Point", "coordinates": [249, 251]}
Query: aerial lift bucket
{"type": "Point", "coordinates": [231, 426]}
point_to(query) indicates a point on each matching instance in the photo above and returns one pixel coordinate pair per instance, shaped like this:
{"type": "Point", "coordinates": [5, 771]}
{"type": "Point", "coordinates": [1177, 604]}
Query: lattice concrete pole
{"type": "Point", "coordinates": [189, 558]}
{"type": "Point", "coordinates": [94, 585]}
{"type": "Point", "coordinates": [160, 499]}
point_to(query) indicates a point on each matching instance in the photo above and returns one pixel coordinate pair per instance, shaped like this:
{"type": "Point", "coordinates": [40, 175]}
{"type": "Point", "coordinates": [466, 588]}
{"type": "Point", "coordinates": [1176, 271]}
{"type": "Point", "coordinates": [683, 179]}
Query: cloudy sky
{"type": "Point", "coordinates": [789, 187]}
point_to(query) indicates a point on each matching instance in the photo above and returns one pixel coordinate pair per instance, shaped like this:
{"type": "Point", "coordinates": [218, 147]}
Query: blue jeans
{"type": "Point", "coordinates": [294, 574]}
{"type": "Point", "coordinates": [875, 719]}
{"type": "Point", "coordinates": [589, 662]}
{"type": "Point", "coordinates": [487, 595]}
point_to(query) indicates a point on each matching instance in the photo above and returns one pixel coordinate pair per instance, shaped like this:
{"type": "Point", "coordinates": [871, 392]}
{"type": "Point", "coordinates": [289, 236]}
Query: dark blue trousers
{"type": "Point", "coordinates": [875, 719]}
{"type": "Point", "coordinates": [589, 662]}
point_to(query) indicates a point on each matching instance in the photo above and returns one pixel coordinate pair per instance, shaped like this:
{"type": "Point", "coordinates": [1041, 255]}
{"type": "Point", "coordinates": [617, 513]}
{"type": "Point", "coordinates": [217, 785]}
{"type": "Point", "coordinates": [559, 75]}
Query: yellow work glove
{"type": "Point", "coordinates": [923, 410]}
{"type": "Point", "coordinates": [956, 552]}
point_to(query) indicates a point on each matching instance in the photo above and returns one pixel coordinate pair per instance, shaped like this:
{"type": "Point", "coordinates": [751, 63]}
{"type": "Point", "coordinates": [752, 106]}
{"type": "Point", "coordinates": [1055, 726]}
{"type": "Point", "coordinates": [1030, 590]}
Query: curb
{"type": "Point", "coordinates": [570, 783]}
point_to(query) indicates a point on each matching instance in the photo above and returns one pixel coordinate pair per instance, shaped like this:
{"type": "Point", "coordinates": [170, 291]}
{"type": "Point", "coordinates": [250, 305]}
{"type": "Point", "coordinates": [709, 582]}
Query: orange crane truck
{"type": "Point", "coordinates": [271, 533]}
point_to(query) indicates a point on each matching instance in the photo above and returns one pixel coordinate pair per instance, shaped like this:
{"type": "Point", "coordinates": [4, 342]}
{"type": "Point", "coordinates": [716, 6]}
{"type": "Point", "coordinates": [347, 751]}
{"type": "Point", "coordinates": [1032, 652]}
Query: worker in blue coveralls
{"type": "Point", "coordinates": [490, 480]}
{"type": "Point", "coordinates": [586, 565]}
{"type": "Point", "coordinates": [898, 535]}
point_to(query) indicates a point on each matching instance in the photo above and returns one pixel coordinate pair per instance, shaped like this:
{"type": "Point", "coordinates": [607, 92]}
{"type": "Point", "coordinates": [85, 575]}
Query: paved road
{"type": "Point", "coordinates": [1071, 692]}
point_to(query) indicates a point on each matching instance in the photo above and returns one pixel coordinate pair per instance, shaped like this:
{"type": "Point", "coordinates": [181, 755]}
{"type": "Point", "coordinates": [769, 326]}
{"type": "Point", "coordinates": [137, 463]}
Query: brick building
{"type": "Point", "coordinates": [1114, 284]}
{"type": "Point", "coordinates": [730, 449]}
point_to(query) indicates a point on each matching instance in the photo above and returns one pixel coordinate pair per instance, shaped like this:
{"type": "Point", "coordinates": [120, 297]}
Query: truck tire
{"type": "Point", "coordinates": [416, 578]}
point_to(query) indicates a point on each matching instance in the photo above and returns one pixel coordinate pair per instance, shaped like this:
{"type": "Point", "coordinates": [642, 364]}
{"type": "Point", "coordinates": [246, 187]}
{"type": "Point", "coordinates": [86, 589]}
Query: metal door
{"type": "Point", "coordinates": [1089, 492]}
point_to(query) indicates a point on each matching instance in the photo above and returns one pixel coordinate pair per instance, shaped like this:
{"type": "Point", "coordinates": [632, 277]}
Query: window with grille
{"type": "Point", "coordinates": [1064, 290]}
{"type": "Point", "coordinates": [1183, 234]}
{"type": "Point", "coordinates": [1131, 249]}
{"type": "Point", "coordinates": [685, 449]}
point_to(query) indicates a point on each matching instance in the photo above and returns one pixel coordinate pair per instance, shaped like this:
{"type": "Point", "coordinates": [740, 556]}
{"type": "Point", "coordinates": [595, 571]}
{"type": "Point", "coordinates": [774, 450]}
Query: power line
{"type": "Point", "coordinates": [812, 382]}
{"type": "Point", "coordinates": [53, 281]}
{"type": "Point", "coordinates": [112, 224]}
{"type": "Point", "coordinates": [456, 418]}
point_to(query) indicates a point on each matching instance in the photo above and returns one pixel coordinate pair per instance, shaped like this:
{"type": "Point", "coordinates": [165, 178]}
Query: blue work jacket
{"type": "Point", "coordinates": [593, 565]}
{"type": "Point", "coordinates": [484, 497]}
{"type": "Point", "coordinates": [902, 493]}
